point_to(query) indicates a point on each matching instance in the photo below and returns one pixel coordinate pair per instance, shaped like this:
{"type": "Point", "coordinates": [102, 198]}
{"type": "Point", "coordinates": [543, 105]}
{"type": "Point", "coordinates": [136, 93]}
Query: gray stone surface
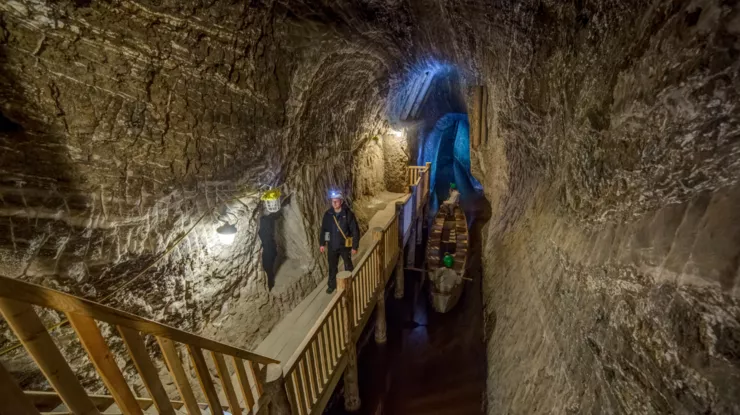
{"type": "Point", "coordinates": [611, 261]}
{"type": "Point", "coordinates": [128, 125]}
{"type": "Point", "coordinates": [611, 165]}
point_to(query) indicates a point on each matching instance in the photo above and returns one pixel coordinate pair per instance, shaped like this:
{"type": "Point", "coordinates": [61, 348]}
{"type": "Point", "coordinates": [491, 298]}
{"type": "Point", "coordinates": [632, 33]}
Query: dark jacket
{"type": "Point", "coordinates": [347, 221]}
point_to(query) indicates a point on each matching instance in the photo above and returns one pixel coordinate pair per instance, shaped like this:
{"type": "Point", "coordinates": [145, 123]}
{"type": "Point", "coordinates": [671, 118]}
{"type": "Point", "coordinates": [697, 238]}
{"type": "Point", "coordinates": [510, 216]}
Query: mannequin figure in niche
{"type": "Point", "coordinates": [269, 246]}
{"type": "Point", "coordinates": [339, 236]}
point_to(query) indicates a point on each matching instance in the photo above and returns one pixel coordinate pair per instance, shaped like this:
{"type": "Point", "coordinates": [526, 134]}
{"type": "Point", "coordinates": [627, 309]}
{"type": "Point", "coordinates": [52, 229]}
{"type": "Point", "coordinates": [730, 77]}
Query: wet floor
{"type": "Point", "coordinates": [432, 363]}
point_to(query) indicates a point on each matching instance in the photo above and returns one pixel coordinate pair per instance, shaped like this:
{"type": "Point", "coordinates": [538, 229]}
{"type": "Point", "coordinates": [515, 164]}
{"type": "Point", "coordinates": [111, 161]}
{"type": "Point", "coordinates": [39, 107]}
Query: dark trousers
{"type": "Point", "coordinates": [346, 254]}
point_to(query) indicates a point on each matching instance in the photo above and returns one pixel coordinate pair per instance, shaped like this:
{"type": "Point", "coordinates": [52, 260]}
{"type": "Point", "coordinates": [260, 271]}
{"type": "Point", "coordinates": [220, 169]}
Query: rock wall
{"type": "Point", "coordinates": [369, 171]}
{"type": "Point", "coordinates": [397, 158]}
{"type": "Point", "coordinates": [611, 165]}
{"type": "Point", "coordinates": [611, 263]}
{"type": "Point", "coordinates": [128, 125]}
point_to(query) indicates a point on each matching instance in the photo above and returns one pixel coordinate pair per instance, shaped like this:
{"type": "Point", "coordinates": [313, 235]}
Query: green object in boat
{"type": "Point", "coordinates": [448, 260]}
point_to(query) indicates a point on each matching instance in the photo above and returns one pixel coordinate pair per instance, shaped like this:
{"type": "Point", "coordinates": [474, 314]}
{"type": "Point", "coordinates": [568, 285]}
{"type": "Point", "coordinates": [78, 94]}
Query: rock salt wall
{"type": "Point", "coordinates": [611, 166]}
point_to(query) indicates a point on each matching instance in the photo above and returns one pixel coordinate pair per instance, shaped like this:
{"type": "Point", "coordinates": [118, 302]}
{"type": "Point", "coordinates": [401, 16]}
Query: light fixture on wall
{"type": "Point", "coordinates": [397, 133]}
{"type": "Point", "coordinates": [227, 230]}
{"type": "Point", "coordinates": [271, 199]}
{"type": "Point", "coordinates": [226, 233]}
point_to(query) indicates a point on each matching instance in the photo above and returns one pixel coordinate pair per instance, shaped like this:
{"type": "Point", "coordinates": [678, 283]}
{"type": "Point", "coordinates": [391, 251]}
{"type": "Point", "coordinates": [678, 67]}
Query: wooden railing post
{"type": "Point", "coordinates": [399, 263]}
{"type": "Point", "coordinates": [351, 386]}
{"type": "Point", "coordinates": [380, 323]}
{"type": "Point", "coordinates": [14, 401]}
{"type": "Point", "coordinates": [275, 389]}
{"type": "Point", "coordinates": [27, 326]}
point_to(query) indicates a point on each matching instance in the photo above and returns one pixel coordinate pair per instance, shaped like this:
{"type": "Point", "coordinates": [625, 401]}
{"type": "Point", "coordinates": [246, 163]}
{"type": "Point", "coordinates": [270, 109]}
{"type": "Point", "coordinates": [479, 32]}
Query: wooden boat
{"type": "Point", "coordinates": [448, 234]}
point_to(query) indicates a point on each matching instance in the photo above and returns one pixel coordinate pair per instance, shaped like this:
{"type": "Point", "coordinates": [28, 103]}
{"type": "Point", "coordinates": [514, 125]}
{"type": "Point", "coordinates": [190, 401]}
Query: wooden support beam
{"type": "Point", "coordinates": [47, 401]}
{"type": "Point", "coordinates": [33, 335]}
{"type": "Point", "coordinates": [351, 386]}
{"type": "Point", "coordinates": [399, 265]}
{"type": "Point", "coordinates": [147, 371]}
{"type": "Point", "coordinates": [228, 387]}
{"type": "Point", "coordinates": [257, 380]}
{"type": "Point", "coordinates": [380, 323]}
{"type": "Point", "coordinates": [14, 401]}
{"type": "Point", "coordinates": [94, 343]}
{"type": "Point", "coordinates": [45, 297]}
{"type": "Point", "coordinates": [275, 389]}
{"type": "Point", "coordinates": [204, 377]}
{"type": "Point", "coordinates": [178, 375]}
{"type": "Point", "coordinates": [241, 375]}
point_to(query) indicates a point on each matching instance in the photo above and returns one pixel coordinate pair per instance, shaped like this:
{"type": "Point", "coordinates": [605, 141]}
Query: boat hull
{"type": "Point", "coordinates": [449, 234]}
{"type": "Point", "coordinates": [444, 302]}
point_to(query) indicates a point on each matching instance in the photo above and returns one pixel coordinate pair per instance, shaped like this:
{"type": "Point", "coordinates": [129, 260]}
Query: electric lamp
{"type": "Point", "coordinates": [226, 233]}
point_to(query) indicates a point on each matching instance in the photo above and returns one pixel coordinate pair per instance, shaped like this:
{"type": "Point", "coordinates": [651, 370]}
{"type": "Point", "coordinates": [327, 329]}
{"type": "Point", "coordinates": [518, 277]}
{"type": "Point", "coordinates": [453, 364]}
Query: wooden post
{"type": "Point", "coordinates": [27, 326]}
{"type": "Point", "coordinates": [419, 221]}
{"type": "Point", "coordinates": [399, 261]}
{"type": "Point", "coordinates": [380, 323]}
{"type": "Point", "coordinates": [429, 174]}
{"type": "Point", "coordinates": [14, 401]}
{"type": "Point", "coordinates": [275, 389]}
{"type": "Point", "coordinates": [411, 247]}
{"type": "Point", "coordinates": [351, 386]}
{"type": "Point", "coordinates": [381, 335]}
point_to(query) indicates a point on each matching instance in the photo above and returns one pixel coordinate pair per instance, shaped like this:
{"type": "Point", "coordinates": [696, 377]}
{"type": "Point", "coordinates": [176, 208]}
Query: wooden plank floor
{"type": "Point", "coordinates": [287, 335]}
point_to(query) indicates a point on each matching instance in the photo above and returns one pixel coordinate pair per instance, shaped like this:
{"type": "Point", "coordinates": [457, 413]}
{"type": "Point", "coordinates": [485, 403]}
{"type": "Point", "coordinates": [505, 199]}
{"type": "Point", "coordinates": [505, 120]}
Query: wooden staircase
{"type": "Point", "coordinates": [51, 403]}
{"type": "Point", "coordinates": [301, 387]}
{"type": "Point", "coordinates": [17, 299]}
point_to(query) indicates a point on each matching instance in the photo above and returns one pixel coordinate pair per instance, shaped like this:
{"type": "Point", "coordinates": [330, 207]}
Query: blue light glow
{"type": "Point", "coordinates": [447, 147]}
{"type": "Point", "coordinates": [407, 87]}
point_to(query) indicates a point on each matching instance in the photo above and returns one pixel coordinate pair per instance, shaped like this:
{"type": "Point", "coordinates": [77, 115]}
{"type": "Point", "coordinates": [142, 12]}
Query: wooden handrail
{"type": "Point", "coordinates": [311, 372]}
{"type": "Point", "coordinates": [367, 253]}
{"type": "Point", "coordinates": [45, 297]}
{"type": "Point", "coordinates": [16, 300]}
{"type": "Point", "coordinates": [288, 367]}
{"type": "Point", "coordinates": [315, 366]}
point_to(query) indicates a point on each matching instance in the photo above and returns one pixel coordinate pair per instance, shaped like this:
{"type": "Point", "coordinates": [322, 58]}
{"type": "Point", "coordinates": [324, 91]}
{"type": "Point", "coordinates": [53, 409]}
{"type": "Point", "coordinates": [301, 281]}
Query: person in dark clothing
{"type": "Point", "coordinates": [339, 236]}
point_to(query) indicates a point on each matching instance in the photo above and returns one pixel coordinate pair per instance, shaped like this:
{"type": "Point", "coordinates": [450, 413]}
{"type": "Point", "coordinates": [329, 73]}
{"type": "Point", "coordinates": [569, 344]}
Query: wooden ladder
{"type": "Point", "coordinates": [17, 299]}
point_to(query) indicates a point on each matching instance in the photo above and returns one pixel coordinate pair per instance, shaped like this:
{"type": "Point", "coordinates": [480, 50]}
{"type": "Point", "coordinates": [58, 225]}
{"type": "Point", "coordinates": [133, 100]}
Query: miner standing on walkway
{"type": "Point", "coordinates": [340, 235]}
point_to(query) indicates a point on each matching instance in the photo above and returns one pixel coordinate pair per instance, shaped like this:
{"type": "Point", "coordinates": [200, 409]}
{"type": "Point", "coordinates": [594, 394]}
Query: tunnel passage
{"type": "Point", "coordinates": [447, 147]}
{"type": "Point", "coordinates": [611, 165]}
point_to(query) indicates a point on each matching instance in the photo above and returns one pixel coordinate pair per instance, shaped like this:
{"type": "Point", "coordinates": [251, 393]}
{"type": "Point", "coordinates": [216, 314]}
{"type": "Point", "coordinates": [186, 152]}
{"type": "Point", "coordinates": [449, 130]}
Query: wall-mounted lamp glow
{"type": "Point", "coordinates": [397, 133]}
{"type": "Point", "coordinates": [226, 233]}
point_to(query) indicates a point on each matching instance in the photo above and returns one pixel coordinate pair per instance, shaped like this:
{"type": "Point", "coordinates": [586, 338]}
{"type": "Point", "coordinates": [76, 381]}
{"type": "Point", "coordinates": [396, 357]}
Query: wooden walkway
{"type": "Point", "coordinates": [302, 361]}
{"type": "Point", "coordinates": [287, 335]}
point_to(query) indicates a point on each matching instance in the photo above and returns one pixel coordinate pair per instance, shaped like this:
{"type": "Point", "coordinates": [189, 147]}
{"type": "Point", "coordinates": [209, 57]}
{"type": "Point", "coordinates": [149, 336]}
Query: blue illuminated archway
{"type": "Point", "coordinates": [447, 147]}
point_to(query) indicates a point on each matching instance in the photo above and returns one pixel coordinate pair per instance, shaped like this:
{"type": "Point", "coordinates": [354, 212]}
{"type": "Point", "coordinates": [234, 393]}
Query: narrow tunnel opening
{"type": "Point", "coordinates": [425, 346]}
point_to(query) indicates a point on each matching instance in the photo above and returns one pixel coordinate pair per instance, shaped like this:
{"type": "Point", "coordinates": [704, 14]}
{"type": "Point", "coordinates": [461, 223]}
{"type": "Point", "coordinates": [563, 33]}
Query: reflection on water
{"type": "Point", "coordinates": [432, 363]}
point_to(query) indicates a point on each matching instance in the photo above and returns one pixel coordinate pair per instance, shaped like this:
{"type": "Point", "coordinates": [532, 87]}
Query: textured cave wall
{"type": "Point", "coordinates": [612, 282]}
{"type": "Point", "coordinates": [397, 158]}
{"type": "Point", "coordinates": [369, 172]}
{"type": "Point", "coordinates": [611, 166]}
{"type": "Point", "coordinates": [127, 125]}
